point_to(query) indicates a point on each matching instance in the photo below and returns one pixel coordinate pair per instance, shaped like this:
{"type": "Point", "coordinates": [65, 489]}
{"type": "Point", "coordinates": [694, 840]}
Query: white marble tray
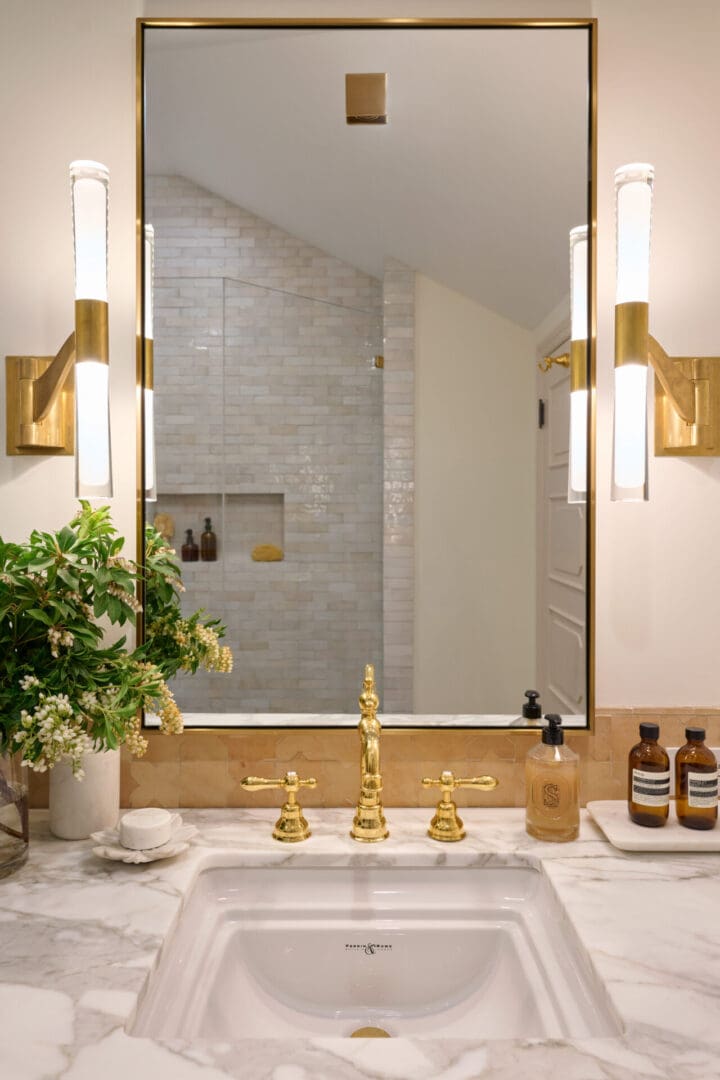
{"type": "Point", "coordinates": [612, 817]}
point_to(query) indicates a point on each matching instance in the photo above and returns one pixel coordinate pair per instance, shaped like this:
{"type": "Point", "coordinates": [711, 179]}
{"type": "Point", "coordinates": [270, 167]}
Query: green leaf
{"type": "Point", "coordinates": [41, 616]}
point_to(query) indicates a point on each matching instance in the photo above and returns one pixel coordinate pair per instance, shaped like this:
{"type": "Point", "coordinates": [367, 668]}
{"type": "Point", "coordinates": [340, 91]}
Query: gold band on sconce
{"type": "Point", "coordinates": [578, 366]}
{"type": "Point", "coordinates": [148, 364]}
{"type": "Point", "coordinates": [91, 331]}
{"type": "Point", "coordinates": [687, 388]}
{"type": "Point", "coordinates": [631, 333]}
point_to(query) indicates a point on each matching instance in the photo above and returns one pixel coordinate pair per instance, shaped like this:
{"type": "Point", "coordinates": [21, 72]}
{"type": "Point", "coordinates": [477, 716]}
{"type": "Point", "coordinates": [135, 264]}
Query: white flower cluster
{"type": "Point", "coordinates": [127, 598]}
{"type": "Point", "coordinates": [28, 681]}
{"type": "Point", "coordinates": [124, 564]}
{"type": "Point", "coordinates": [51, 732]}
{"type": "Point", "coordinates": [57, 638]}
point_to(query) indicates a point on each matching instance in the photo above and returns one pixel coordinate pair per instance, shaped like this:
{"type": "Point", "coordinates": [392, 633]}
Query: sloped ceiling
{"type": "Point", "coordinates": [475, 181]}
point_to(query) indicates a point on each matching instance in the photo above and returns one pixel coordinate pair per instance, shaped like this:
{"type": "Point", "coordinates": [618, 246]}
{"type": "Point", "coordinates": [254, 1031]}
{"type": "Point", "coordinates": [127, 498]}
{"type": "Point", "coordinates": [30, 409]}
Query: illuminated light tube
{"type": "Point", "coordinates": [577, 471]}
{"type": "Point", "coordinates": [633, 193]}
{"type": "Point", "coordinates": [150, 462]}
{"type": "Point", "coordinates": [93, 461]}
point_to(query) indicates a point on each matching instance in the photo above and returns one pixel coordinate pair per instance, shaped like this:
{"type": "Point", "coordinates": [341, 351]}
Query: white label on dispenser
{"type": "Point", "coordinates": [702, 789]}
{"type": "Point", "coordinates": [650, 788]}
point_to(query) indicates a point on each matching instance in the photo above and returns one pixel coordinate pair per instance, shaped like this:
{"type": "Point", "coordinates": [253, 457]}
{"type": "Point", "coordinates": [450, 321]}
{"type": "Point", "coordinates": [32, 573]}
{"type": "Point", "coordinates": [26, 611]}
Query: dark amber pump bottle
{"type": "Point", "coordinates": [208, 543]}
{"type": "Point", "coordinates": [189, 552]}
{"type": "Point", "coordinates": [649, 779]}
{"type": "Point", "coordinates": [696, 782]}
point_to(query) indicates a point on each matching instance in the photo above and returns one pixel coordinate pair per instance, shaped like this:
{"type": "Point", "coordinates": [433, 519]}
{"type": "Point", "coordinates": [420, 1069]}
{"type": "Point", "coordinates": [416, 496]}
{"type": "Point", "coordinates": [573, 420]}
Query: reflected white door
{"type": "Point", "coordinates": [561, 555]}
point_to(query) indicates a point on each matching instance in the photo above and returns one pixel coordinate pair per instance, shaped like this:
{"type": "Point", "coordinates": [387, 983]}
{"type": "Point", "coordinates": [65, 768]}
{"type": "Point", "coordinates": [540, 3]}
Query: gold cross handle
{"type": "Point", "coordinates": [446, 825]}
{"type": "Point", "coordinates": [291, 826]}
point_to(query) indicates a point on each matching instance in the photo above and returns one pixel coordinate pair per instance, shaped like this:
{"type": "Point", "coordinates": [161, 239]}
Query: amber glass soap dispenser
{"type": "Point", "coordinates": [551, 786]}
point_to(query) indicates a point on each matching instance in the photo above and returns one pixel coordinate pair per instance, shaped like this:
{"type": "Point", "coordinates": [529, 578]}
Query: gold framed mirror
{"type": "Point", "coordinates": [351, 299]}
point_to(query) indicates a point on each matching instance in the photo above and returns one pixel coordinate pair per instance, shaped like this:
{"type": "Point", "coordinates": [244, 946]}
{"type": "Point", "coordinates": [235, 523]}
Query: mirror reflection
{"type": "Point", "coordinates": [350, 440]}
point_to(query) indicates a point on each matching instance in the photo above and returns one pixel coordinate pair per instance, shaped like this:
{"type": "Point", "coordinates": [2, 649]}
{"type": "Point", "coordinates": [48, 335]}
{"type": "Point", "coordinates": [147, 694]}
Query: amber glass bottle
{"type": "Point", "coordinates": [208, 543]}
{"type": "Point", "coordinates": [696, 782]}
{"type": "Point", "coordinates": [649, 779]}
{"type": "Point", "coordinates": [189, 551]}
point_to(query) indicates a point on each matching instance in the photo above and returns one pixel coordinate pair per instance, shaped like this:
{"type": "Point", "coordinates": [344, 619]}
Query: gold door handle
{"type": "Point", "coordinates": [291, 826]}
{"type": "Point", "coordinates": [446, 825]}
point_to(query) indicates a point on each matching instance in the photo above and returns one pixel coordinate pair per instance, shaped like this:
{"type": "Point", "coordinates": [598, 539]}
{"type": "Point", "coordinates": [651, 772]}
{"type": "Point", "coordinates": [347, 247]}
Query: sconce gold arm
{"type": "Point", "coordinates": [48, 386]}
{"type": "Point", "coordinates": [291, 826]}
{"type": "Point", "coordinates": [446, 825]}
{"type": "Point", "coordinates": [40, 397]}
{"type": "Point", "coordinates": [687, 388]}
{"type": "Point", "coordinates": [678, 387]}
{"type": "Point", "coordinates": [41, 389]}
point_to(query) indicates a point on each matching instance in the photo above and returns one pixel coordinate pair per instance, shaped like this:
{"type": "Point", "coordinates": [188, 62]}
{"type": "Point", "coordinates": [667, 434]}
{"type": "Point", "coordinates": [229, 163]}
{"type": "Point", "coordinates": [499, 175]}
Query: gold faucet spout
{"type": "Point", "coordinates": [369, 823]}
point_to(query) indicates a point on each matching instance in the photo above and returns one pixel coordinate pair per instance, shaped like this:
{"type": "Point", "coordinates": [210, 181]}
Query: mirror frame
{"type": "Point", "coordinates": [589, 24]}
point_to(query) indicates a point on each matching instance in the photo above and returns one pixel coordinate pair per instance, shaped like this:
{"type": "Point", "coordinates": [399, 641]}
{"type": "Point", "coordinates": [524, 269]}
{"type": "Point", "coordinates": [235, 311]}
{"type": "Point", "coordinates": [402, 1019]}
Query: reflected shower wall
{"type": "Point", "coordinates": [269, 420]}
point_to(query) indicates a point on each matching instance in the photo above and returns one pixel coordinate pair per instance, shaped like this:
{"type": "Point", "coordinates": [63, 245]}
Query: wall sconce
{"type": "Point", "coordinates": [577, 470]}
{"type": "Point", "coordinates": [576, 361]}
{"type": "Point", "coordinates": [41, 390]}
{"type": "Point", "coordinates": [150, 475]}
{"type": "Point", "coordinates": [687, 388]}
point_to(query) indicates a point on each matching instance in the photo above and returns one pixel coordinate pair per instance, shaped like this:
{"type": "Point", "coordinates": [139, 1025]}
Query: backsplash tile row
{"type": "Point", "coordinates": [204, 768]}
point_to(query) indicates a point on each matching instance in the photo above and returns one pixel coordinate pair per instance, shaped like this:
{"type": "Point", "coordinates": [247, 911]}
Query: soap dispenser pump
{"type": "Point", "coordinates": [551, 779]}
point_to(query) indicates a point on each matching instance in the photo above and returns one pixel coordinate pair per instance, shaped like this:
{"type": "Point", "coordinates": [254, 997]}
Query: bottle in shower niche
{"type": "Point", "coordinates": [551, 786]}
{"type": "Point", "coordinates": [189, 552]}
{"type": "Point", "coordinates": [696, 782]}
{"type": "Point", "coordinates": [649, 780]}
{"type": "Point", "coordinates": [208, 543]}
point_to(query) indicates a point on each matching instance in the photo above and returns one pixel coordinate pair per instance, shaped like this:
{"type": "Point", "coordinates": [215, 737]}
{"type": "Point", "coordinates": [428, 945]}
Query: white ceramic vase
{"type": "Point", "coordinates": [81, 807]}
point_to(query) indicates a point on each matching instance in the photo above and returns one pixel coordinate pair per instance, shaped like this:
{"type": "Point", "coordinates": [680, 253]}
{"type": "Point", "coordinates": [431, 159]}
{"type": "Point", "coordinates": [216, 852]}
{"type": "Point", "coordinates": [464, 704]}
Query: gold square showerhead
{"type": "Point", "coordinates": [365, 98]}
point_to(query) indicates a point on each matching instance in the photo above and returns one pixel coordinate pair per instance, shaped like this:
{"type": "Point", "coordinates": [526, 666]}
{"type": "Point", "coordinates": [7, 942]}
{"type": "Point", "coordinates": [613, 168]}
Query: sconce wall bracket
{"type": "Point", "coordinates": [40, 397]}
{"type": "Point", "coordinates": [674, 435]}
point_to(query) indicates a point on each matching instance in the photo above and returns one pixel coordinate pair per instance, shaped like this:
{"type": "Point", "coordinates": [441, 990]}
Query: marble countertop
{"type": "Point", "coordinates": [78, 936]}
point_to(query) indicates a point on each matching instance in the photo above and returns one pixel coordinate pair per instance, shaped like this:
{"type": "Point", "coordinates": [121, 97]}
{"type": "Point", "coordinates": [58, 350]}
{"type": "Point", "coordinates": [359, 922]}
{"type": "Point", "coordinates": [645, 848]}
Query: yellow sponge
{"type": "Point", "coordinates": [267, 553]}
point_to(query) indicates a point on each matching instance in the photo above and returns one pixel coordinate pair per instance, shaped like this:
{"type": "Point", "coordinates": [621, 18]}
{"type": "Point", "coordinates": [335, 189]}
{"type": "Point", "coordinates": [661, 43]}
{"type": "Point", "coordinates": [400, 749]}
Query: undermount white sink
{"type": "Point", "coordinates": [421, 953]}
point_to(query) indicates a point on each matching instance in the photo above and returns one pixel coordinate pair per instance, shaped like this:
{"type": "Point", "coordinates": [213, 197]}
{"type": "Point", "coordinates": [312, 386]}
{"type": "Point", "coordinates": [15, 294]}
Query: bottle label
{"type": "Point", "coordinates": [651, 788]}
{"type": "Point", "coordinates": [702, 789]}
{"type": "Point", "coordinates": [552, 796]}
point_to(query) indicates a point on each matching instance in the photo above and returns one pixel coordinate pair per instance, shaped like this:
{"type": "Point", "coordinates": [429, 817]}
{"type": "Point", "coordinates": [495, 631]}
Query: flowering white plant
{"type": "Point", "coordinates": [62, 691]}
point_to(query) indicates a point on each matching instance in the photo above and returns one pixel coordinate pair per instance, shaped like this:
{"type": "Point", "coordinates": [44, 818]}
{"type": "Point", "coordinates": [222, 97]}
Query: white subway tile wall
{"type": "Point", "coordinates": [399, 484]}
{"type": "Point", "coordinates": [270, 420]}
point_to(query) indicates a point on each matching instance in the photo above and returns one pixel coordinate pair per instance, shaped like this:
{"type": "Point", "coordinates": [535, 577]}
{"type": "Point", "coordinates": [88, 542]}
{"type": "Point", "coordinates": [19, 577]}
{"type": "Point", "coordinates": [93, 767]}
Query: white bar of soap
{"type": "Point", "coordinates": [146, 828]}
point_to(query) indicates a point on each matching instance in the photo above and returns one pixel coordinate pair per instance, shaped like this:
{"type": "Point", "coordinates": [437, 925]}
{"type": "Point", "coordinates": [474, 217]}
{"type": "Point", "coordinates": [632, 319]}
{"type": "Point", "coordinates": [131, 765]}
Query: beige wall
{"type": "Point", "coordinates": [658, 578]}
{"type": "Point", "coordinates": [68, 91]}
{"type": "Point", "coordinates": [68, 83]}
{"type": "Point", "coordinates": [475, 439]}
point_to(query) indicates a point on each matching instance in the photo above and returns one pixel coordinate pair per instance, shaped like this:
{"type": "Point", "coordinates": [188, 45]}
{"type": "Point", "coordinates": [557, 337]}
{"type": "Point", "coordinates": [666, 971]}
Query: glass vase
{"type": "Point", "coordinates": [14, 832]}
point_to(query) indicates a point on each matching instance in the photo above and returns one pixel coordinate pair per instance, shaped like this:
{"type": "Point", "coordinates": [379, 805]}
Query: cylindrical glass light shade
{"type": "Point", "coordinates": [89, 195]}
{"type": "Point", "coordinates": [577, 472]}
{"type": "Point", "coordinates": [633, 196]}
{"type": "Point", "coordinates": [633, 191]}
{"type": "Point", "coordinates": [150, 476]}
{"type": "Point", "coordinates": [93, 463]}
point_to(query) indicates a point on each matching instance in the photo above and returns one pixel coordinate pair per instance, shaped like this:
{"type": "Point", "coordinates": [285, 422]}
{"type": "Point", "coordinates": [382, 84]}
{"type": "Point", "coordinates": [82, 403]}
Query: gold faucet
{"type": "Point", "coordinates": [369, 823]}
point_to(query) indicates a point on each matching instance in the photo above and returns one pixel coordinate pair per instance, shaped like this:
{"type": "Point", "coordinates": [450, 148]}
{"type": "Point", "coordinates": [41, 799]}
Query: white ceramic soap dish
{"type": "Point", "coordinates": [109, 846]}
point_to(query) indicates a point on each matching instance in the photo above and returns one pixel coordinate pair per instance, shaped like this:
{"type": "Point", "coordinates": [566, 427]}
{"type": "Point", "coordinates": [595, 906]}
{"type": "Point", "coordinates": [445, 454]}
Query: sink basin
{"type": "Point", "coordinates": [434, 952]}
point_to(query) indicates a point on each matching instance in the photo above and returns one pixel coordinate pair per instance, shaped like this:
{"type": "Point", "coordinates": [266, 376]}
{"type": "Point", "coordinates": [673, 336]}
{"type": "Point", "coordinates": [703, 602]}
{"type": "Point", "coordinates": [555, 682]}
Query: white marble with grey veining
{"type": "Point", "coordinates": [78, 937]}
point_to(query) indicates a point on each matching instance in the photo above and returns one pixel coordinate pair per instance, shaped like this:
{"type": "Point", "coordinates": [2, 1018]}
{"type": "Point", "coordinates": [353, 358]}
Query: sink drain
{"type": "Point", "coordinates": [370, 1033]}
